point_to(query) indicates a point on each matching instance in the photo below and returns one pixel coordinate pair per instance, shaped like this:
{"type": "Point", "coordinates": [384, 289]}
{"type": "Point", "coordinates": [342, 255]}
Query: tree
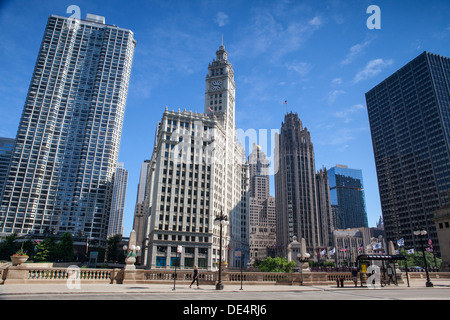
{"type": "Point", "coordinates": [45, 250]}
{"type": "Point", "coordinates": [28, 247]}
{"type": "Point", "coordinates": [277, 264]}
{"type": "Point", "coordinates": [113, 252]}
{"type": "Point", "coordinates": [8, 247]}
{"type": "Point", "coordinates": [328, 264]}
{"type": "Point", "coordinates": [416, 259]}
{"type": "Point", "coordinates": [64, 249]}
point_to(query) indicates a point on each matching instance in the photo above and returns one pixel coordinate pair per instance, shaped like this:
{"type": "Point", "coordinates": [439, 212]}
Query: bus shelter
{"type": "Point", "coordinates": [387, 261]}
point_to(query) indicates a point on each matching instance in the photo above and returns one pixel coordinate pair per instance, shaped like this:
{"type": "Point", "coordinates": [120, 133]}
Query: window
{"type": "Point", "coordinates": [175, 261]}
{"type": "Point", "coordinates": [161, 262]}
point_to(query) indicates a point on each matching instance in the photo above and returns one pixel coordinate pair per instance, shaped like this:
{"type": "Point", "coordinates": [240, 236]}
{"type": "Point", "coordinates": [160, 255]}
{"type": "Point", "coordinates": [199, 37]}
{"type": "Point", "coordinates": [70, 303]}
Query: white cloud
{"type": "Point", "coordinates": [342, 138]}
{"type": "Point", "coordinates": [302, 68]}
{"type": "Point", "coordinates": [373, 68]}
{"type": "Point", "coordinates": [346, 113]}
{"type": "Point", "coordinates": [315, 22]}
{"type": "Point", "coordinates": [267, 34]}
{"type": "Point", "coordinates": [333, 94]}
{"type": "Point", "coordinates": [222, 19]}
{"type": "Point", "coordinates": [355, 51]}
{"type": "Point", "coordinates": [336, 82]}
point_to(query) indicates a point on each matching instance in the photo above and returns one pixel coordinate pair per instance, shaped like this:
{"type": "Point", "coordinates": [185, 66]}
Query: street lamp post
{"type": "Point", "coordinates": [422, 232]}
{"type": "Point", "coordinates": [220, 220]}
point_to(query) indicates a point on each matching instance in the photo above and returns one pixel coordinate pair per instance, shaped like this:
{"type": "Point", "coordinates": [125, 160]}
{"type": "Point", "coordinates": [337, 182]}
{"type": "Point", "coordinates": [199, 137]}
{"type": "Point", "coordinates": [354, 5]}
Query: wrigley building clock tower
{"type": "Point", "coordinates": [220, 89]}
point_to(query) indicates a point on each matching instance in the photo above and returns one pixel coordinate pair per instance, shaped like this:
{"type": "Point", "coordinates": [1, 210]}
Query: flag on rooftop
{"type": "Point", "coordinates": [377, 246]}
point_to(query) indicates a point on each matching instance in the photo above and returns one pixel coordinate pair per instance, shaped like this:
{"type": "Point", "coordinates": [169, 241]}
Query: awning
{"type": "Point", "coordinates": [380, 257]}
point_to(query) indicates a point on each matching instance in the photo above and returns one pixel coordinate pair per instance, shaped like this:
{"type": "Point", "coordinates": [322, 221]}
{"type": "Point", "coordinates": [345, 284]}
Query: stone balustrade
{"type": "Point", "coordinates": [94, 275]}
{"type": "Point", "coordinates": [29, 274]}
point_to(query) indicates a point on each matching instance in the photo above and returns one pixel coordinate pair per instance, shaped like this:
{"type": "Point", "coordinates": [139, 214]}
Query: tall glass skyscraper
{"type": "Point", "coordinates": [409, 115]}
{"type": "Point", "coordinates": [347, 197]}
{"type": "Point", "coordinates": [67, 143]}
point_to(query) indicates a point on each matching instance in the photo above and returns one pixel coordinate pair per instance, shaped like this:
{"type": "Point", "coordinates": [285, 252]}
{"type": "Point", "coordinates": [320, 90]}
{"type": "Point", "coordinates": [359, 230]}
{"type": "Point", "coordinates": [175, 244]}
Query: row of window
{"type": "Point", "coordinates": [173, 237]}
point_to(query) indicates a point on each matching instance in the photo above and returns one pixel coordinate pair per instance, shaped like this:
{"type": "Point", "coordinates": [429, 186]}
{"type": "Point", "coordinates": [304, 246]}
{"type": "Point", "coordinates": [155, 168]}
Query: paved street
{"type": "Point", "coordinates": [253, 302]}
{"type": "Point", "coordinates": [318, 294]}
{"type": "Point", "coordinates": [418, 291]}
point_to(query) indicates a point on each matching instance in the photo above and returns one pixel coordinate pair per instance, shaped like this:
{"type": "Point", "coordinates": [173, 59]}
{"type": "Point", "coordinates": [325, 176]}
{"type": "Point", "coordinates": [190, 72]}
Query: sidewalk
{"type": "Point", "coordinates": [38, 289]}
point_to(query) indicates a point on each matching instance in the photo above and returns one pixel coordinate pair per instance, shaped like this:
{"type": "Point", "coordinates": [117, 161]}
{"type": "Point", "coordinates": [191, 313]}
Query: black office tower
{"type": "Point", "coordinates": [409, 115]}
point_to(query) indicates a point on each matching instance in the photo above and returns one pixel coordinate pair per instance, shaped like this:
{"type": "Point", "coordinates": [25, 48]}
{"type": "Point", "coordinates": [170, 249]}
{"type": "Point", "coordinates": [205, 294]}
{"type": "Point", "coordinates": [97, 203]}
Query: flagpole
{"type": "Point", "coordinates": [406, 268]}
{"type": "Point", "coordinates": [336, 258]}
{"type": "Point", "coordinates": [430, 243]}
{"type": "Point", "coordinates": [434, 257]}
{"type": "Point", "coordinates": [318, 259]}
{"type": "Point", "coordinates": [349, 257]}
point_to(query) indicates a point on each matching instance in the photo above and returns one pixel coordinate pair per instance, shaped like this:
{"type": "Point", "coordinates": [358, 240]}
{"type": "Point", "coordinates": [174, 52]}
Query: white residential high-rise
{"type": "Point", "coordinates": [197, 172]}
{"type": "Point", "coordinates": [67, 143]}
{"type": "Point", "coordinates": [118, 201]}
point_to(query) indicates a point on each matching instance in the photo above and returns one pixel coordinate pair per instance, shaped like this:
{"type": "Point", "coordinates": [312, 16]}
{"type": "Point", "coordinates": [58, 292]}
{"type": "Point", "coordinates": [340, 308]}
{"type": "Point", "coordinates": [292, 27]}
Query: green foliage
{"type": "Point", "coordinates": [114, 252]}
{"type": "Point", "coordinates": [416, 259]}
{"type": "Point", "coordinates": [329, 264]}
{"type": "Point", "coordinates": [64, 248]}
{"type": "Point", "coordinates": [28, 248]}
{"type": "Point", "coordinates": [45, 250]}
{"type": "Point", "coordinates": [277, 264]}
{"type": "Point", "coordinates": [8, 247]}
{"type": "Point", "coordinates": [50, 249]}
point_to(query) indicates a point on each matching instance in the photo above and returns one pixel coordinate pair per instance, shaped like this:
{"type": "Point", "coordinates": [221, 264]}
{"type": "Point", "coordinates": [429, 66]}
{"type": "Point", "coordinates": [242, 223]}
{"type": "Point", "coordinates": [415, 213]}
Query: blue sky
{"type": "Point", "coordinates": [318, 55]}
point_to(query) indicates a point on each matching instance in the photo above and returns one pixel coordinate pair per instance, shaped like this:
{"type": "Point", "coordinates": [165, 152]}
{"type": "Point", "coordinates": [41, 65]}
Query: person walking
{"type": "Point", "coordinates": [195, 277]}
{"type": "Point", "coordinates": [355, 276]}
{"type": "Point", "coordinates": [390, 273]}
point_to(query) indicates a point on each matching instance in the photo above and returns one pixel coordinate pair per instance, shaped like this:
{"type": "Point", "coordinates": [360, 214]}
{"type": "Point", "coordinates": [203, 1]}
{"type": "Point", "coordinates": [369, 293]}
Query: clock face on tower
{"type": "Point", "coordinates": [216, 85]}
